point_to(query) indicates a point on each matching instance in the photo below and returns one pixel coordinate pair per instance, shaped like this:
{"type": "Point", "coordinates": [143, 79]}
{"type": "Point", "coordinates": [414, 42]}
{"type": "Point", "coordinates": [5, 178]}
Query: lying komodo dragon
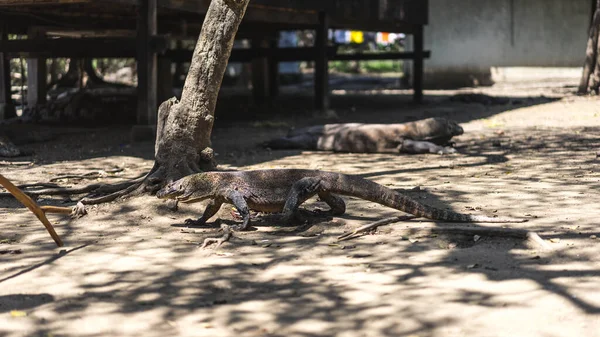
{"type": "Point", "coordinates": [424, 136]}
{"type": "Point", "coordinates": [284, 190]}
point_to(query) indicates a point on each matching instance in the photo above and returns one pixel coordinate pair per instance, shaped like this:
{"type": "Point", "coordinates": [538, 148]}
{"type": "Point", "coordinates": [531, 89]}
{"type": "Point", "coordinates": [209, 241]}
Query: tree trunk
{"type": "Point", "coordinates": [594, 81]}
{"type": "Point", "coordinates": [590, 52]}
{"type": "Point", "coordinates": [184, 127]}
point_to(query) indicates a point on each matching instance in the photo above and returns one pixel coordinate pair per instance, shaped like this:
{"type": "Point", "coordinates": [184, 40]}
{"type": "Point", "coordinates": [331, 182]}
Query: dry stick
{"type": "Point", "coordinates": [219, 241]}
{"type": "Point", "coordinates": [522, 234]}
{"type": "Point", "coordinates": [27, 201]}
{"type": "Point", "coordinates": [369, 226]}
{"type": "Point", "coordinates": [16, 163]}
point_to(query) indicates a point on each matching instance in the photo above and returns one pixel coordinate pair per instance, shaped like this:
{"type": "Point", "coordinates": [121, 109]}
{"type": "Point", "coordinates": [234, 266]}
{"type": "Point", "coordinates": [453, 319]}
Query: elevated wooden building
{"type": "Point", "coordinates": [145, 28]}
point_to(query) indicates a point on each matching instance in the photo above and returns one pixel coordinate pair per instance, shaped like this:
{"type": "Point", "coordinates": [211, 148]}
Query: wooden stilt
{"type": "Point", "coordinates": [260, 73]}
{"type": "Point", "coordinates": [36, 74]}
{"type": "Point", "coordinates": [7, 108]}
{"type": "Point", "coordinates": [147, 63]}
{"type": "Point", "coordinates": [418, 64]}
{"type": "Point", "coordinates": [322, 64]}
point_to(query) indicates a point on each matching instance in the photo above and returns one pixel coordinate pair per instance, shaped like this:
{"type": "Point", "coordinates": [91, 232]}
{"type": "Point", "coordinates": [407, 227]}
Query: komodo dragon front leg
{"type": "Point", "coordinates": [236, 199]}
{"type": "Point", "coordinates": [212, 208]}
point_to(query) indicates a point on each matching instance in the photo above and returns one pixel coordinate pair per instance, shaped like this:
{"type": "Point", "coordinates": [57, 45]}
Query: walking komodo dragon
{"type": "Point", "coordinates": [430, 135]}
{"type": "Point", "coordinates": [283, 190]}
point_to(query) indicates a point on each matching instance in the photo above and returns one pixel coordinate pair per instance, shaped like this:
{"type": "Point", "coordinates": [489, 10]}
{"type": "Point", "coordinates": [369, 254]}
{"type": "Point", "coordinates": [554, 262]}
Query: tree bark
{"type": "Point", "coordinates": [184, 127]}
{"type": "Point", "coordinates": [594, 81]}
{"type": "Point", "coordinates": [590, 53]}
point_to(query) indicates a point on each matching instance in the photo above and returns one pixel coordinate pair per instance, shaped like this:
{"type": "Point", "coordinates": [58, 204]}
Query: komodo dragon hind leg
{"type": "Point", "coordinates": [301, 191]}
{"type": "Point", "coordinates": [337, 204]}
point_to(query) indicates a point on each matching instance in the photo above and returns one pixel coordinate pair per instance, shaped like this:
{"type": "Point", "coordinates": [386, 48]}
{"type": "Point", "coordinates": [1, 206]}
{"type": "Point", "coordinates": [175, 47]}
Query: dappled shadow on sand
{"type": "Point", "coordinates": [288, 285]}
{"type": "Point", "coordinates": [139, 272]}
{"type": "Point", "coordinates": [129, 270]}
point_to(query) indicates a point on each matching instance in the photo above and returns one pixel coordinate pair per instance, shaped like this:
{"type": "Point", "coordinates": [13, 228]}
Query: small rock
{"type": "Point", "coordinates": [476, 238]}
{"type": "Point", "coordinates": [473, 266]}
{"type": "Point", "coordinates": [555, 240]}
{"type": "Point", "coordinates": [593, 237]}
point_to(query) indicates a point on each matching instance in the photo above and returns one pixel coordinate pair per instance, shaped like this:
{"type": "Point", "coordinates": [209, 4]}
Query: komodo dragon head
{"type": "Point", "coordinates": [192, 188]}
{"type": "Point", "coordinates": [439, 130]}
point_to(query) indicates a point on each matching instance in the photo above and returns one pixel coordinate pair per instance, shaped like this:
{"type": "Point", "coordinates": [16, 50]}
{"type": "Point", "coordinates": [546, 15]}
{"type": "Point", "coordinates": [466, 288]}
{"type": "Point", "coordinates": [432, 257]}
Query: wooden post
{"type": "Point", "coordinates": [418, 64]}
{"type": "Point", "coordinates": [36, 74]}
{"type": "Point", "coordinates": [146, 62]}
{"type": "Point", "coordinates": [165, 79]}
{"type": "Point", "coordinates": [273, 68]}
{"type": "Point", "coordinates": [147, 69]}
{"type": "Point", "coordinates": [321, 64]}
{"type": "Point", "coordinates": [260, 72]}
{"type": "Point", "coordinates": [7, 108]}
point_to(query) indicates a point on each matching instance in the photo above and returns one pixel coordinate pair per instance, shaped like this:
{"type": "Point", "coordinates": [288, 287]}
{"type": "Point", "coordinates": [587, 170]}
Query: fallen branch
{"type": "Point", "coordinates": [37, 210]}
{"type": "Point", "coordinates": [16, 163]}
{"type": "Point", "coordinates": [373, 225]}
{"type": "Point", "coordinates": [219, 241]}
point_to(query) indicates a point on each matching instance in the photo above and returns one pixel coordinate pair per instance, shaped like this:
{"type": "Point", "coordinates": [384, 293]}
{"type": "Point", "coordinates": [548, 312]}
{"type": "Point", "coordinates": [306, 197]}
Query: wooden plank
{"type": "Point", "coordinates": [322, 64]}
{"type": "Point", "coordinates": [418, 65]}
{"type": "Point", "coordinates": [146, 63]}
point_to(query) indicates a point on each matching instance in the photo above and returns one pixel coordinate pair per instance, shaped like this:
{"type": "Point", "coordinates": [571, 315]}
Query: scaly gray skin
{"type": "Point", "coordinates": [284, 190]}
{"type": "Point", "coordinates": [423, 136]}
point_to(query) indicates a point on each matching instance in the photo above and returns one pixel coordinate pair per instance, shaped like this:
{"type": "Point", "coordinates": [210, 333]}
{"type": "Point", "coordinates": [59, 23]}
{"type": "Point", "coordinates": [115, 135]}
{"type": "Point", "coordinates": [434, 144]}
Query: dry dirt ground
{"type": "Point", "coordinates": [132, 268]}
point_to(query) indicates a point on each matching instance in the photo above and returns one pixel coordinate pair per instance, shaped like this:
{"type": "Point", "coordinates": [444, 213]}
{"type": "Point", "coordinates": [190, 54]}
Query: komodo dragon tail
{"type": "Point", "coordinates": [368, 190]}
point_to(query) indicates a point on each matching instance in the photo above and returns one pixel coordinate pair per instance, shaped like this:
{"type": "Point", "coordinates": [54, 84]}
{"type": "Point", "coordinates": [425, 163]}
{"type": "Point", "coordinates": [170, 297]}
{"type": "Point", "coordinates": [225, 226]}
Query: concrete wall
{"type": "Point", "coordinates": [468, 37]}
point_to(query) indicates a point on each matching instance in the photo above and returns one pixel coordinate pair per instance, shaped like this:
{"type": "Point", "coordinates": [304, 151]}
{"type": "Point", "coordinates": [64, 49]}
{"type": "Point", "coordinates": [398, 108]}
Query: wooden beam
{"type": "Point", "coordinates": [378, 56]}
{"type": "Point", "coordinates": [296, 54]}
{"type": "Point", "coordinates": [78, 48]}
{"type": "Point", "coordinates": [321, 75]}
{"type": "Point", "coordinates": [36, 76]}
{"type": "Point", "coordinates": [418, 65]}
{"type": "Point", "coordinates": [146, 63]}
{"type": "Point", "coordinates": [21, 3]}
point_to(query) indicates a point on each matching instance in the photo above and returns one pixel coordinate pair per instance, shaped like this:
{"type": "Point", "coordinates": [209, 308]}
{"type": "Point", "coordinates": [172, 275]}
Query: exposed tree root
{"type": "Point", "coordinates": [53, 189]}
{"type": "Point", "coordinates": [90, 175]}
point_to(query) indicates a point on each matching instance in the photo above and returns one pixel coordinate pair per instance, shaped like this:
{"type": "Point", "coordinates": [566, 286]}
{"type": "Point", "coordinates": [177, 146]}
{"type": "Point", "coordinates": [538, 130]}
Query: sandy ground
{"type": "Point", "coordinates": [132, 268]}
